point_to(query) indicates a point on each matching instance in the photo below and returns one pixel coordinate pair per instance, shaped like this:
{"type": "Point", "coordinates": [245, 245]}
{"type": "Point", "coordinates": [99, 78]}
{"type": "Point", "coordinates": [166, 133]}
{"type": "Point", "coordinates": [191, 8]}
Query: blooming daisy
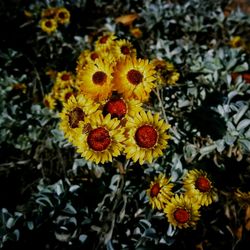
{"type": "Point", "coordinates": [123, 48]}
{"type": "Point", "coordinates": [119, 107]}
{"type": "Point", "coordinates": [105, 42]}
{"type": "Point", "coordinates": [64, 80]}
{"type": "Point", "coordinates": [48, 13]}
{"type": "Point", "coordinates": [236, 42]}
{"type": "Point", "coordinates": [197, 184]}
{"type": "Point", "coordinates": [103, 139]}
{"type": "Point", "coordinates": [65, 94]}
{"type": "Point", "coordinates": [48, 25]}
{"type": "Point", "coordinates": [147, 137]}
{"type": "Point", "coordinates": [49, 101]}
{"type": "Point", "coordinates": [159, 192]}
{"type": "Point", "coordinates": [88, 56]}
{"type": "Point", "coordinates": [74, 111]}
{"type": "Point", "coordinates": [62, 15]}
{"type": "Point", "coordinates": [95, 80]}
{"type": "Point", "coordinates": [134, 78]}
{"type": "Point", "coordinates": [165, 72]}
{"type": "Point", "coordinates": [182, 211]}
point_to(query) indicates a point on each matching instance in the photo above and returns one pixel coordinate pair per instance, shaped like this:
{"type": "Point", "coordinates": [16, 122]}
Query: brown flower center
{"type": "Point", "coordinates": [48, 24]}
{"type": "Point", "coordinates": [46, 103]}
{"type": "Point", "coordinates": [68, 95]}
{"type": "Point", "coordinates": [104, 39]}
{"type": "Point", "coordinates": [62, 15]}
{"type": "Point", "coordinates": [125, 50]}
{"type": "Point", "coordinates": [116, 107]}
{"type": "Point", "coordinates": [98, 139]}
{"type": "Point", "coordinates": [65, 77]}
{"type": "Point", "coordinates": [93, 56]}
{"type": "Point", "coordinates": [146, 136]}
{"type": "Point", "coordinates": [134, 76]}
{"type": "Point", "coordinates": [181, 215]}
{"type": "Point", "coordinates": [75, 116]}
{"type": "Point", "coordinates": [203, 184]}
{"type": "Point", "coordinates": [99, 78]}
{"type": "Point", "coordinates": [155, 190]}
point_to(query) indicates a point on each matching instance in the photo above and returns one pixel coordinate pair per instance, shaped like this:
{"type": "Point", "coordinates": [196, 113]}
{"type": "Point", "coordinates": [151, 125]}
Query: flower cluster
{"type": "Point", "coordinates": [64, 86]}
{"type": "Point", "coordinates": [182, 209]}
{"type": "Point", "coordinates": [104, 118]}
{"type": "Point", "coordinates": [51, 17]}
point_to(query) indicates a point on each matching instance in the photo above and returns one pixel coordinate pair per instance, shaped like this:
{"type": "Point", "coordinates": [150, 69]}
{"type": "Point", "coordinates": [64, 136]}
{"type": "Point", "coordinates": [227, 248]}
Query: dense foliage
{"type": "Point", "coordinates": [54, 198]}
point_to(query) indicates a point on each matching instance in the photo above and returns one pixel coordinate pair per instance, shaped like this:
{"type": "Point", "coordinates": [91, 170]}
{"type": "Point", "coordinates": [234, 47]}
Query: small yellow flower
{"type": "Point", "coordinates": [123, 48]}
{"type": "Point", "coordinates": [166, 73]}
{"type": "Point", "coordinates": [102, 141]}
{"type": "Point", "coordinates": [136, 32]}
{"type": "Point", "coordinates": [48, 25]}
{"type": "Point", "coordinates": [74, 111]}
{"type": "Point", "coordinates": [160, 192]}
{"type": "Point", "coordinates": [95, 80]}
{"type": "Point", "coordinates": [20, 86]}
{"type": "Point", "coordinates": [147, 137]}
{"type": "Point", "coordinates": [198, 185]}
{"type": "Point", "coordinates": [49, 101]}
{"type": "Point", "coordinates": [48, 13]}
{"type": "Point", "coordinates": [105, 42]}
{"type": "Point", "coordinates": [134, 78]}
{"type": "Point", "coordinates": [182, 211]}
{"type": "Point", "coordinates": [237, 42]}
{"type": "Point", "coordinates": [62, 15]}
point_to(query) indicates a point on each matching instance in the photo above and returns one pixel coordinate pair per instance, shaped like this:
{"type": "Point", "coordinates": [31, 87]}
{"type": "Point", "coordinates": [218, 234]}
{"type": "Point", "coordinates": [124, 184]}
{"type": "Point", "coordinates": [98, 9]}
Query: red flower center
{"type": "Point", "coordinates": [181, 215]}
{"type": "Point", "coordinates": [134, 76]}
{"type": "Point", "coordinates": [75, 116]}
{"type": "Point", "coordinates": [93, 56]}
{"type": "Point", "coordinates": [65, 77]}
{"type": "Point", "coordinates": [46, 103]}
{"type": "Point", "coordinates": [98, 139]}
{"type": "Point", "coordinates": [48, 24]}
{"type": "Point", "coordinates": [68, 95]}
{"type": "Point", "coordinates": [116, 107]}
{"type": "Point", "coordinates": [203, 184]}
{"type": "Point", "coordinates": [146, 136]}
{"type": "Point", "coordinates": [125, 50]}
{"type": "Point", "coordinates": [104, 39]}
{"type": "Point", "coordinates": [155, 190]}
{"type": "Point", "coordinates": [62, 15]}
{"type": "Point", "coordinates": [99, 78]}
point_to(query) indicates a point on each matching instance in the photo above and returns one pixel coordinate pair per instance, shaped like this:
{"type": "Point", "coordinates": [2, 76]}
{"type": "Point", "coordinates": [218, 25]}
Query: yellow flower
{"type": "Point", "coordinates": [198, 185]}
{"type": "Point", "coordinates": [65, 94]}
{"type": "Point", "coordinates": [74, 111]}
{"type": "Point", "coordinates": [48, 25]}
{"type": "Point", "coordinates": [121, 108]}
{"type": "Point", "coordinates": [136, 32]}
{"type": "Point", "coordinates": [64, 80]}
{"type": "Point", "coordinates": [134, 78]}
{"type": "Point", "coordinates": [166, 73]}
{"type": "Point", "coordinates": [95, 80]}
{"type": "Point", "coordinates": [48, 13]}
{"type": "Point", "coordinates": [62, 15]}
{"type": "Point", "coordinates": [182, 211]}
{"type": "Point", "coordinates": [146, 137]}
{"type": "Point", "coordinates": [123, 48]}
{"type": "Point", "coordinates": [236, 42]}
{"type": "Point", "coordinates": [49, 101]}
{"type": "Point", "coordinates": [20, 86]}
{"type": "Point", "coordinates": [105, 42]}
{"type": "Point", "coordinates": [88, 56]}
{"type": "Point", "coordinates": [160, 192]}
{"type": "Point", "coordinates": [103, 139]}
